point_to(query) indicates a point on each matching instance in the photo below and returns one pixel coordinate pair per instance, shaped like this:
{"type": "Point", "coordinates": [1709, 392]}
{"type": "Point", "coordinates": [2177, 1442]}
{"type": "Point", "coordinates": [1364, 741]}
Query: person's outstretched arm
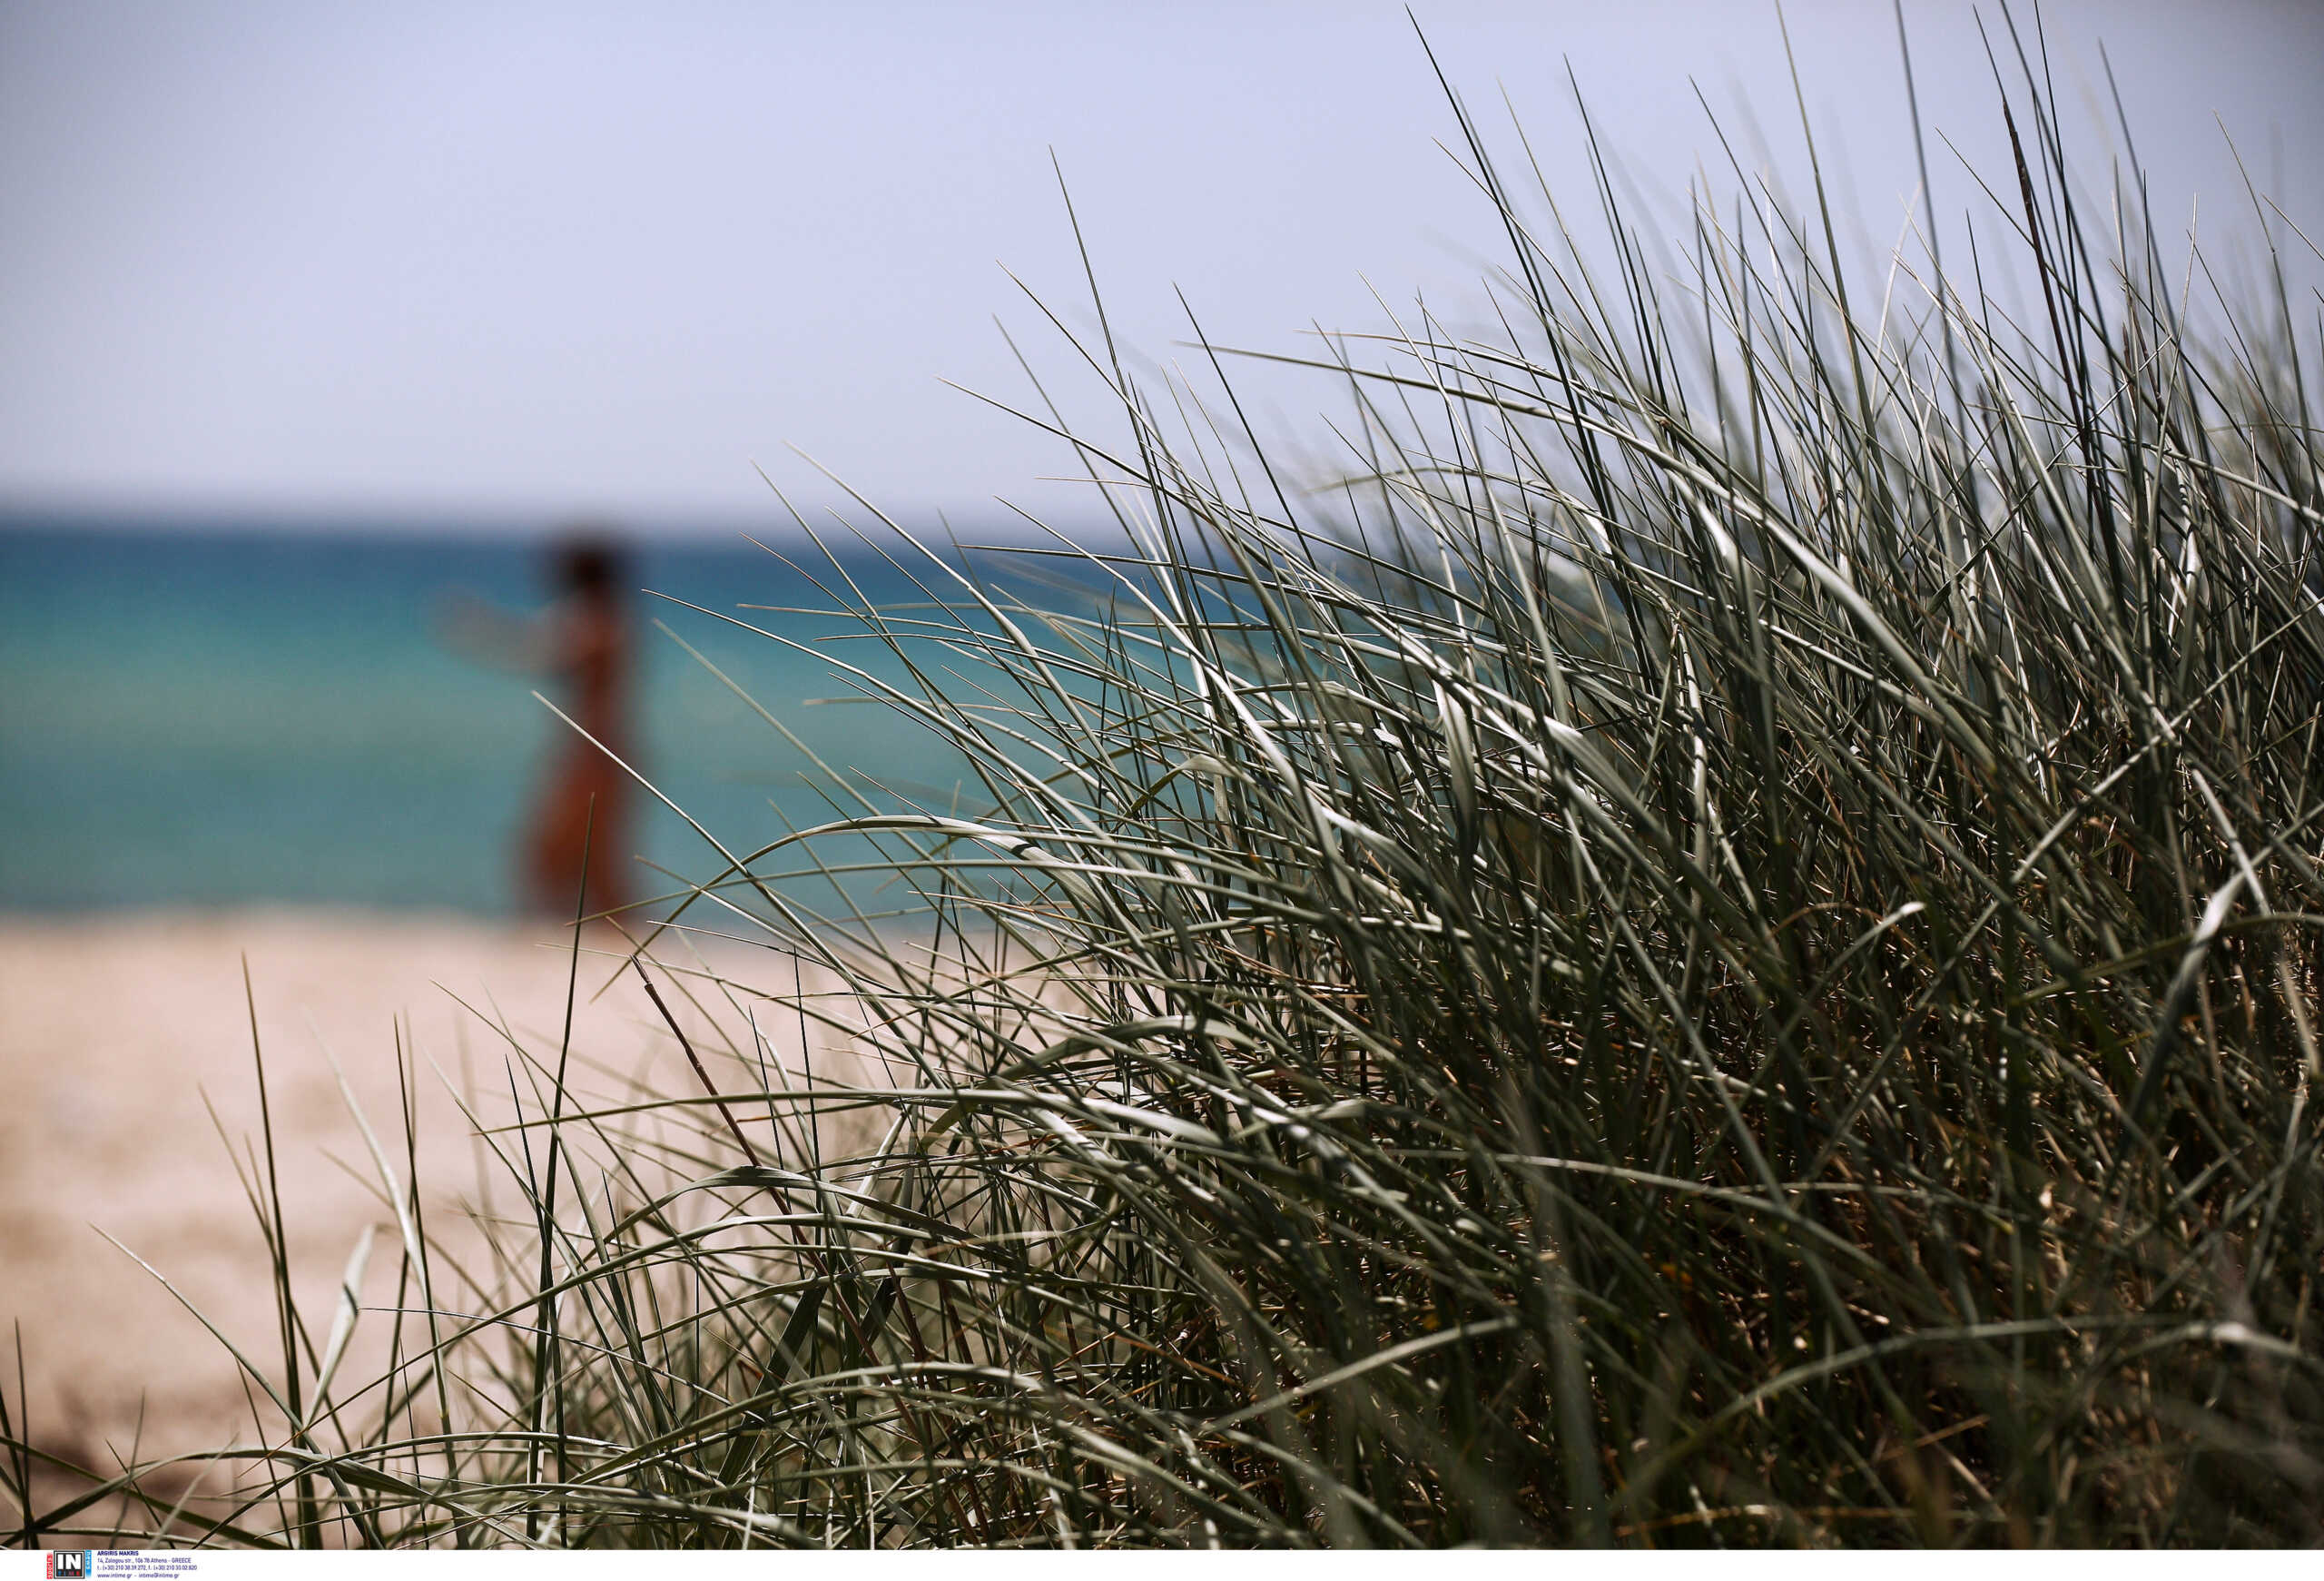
{"type": "Point", "coordinates": [480, 630]}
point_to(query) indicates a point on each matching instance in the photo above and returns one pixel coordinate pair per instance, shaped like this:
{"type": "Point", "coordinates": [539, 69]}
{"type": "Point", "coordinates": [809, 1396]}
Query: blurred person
{"type": "Point", "coordinates": [582, 640]}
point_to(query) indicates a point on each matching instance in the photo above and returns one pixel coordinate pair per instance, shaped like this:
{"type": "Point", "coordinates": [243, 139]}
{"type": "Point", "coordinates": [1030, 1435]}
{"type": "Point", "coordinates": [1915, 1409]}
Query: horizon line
{"type": "Point", "coordinates": [438, 518]}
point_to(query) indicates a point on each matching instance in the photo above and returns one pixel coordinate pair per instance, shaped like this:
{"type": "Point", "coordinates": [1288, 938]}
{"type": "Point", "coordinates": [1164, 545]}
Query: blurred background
{"type": "Point", "coordinates": [308, 313]}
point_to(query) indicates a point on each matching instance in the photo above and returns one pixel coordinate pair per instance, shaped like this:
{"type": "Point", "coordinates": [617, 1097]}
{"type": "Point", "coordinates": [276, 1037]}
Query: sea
{"type": "Point", "coordinates": [222, 714]}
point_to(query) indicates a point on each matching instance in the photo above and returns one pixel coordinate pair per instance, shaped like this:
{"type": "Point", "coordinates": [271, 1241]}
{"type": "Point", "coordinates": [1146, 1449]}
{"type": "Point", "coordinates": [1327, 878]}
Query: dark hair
{"type": "Point", "coordinates": [593, 564]}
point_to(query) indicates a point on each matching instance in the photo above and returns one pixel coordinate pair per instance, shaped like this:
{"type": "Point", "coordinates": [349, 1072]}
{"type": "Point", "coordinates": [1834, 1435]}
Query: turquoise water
{"type": "Point", "coordinates": [205, 717]}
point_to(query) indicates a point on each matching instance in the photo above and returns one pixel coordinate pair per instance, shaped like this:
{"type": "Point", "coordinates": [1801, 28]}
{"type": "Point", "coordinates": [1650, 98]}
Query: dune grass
{"type": "Point", "coordinates": [1709, 935]}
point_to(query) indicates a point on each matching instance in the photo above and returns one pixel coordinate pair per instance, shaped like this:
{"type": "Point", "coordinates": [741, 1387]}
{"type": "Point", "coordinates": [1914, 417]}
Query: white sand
{"type": "Point", "coordinates": [111, 1031]}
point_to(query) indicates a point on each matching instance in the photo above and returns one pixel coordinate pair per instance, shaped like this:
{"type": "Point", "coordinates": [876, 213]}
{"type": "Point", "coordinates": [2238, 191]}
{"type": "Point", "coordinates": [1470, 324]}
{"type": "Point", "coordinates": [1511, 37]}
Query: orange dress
{"type": "Point", "coordinates": [584, 799]}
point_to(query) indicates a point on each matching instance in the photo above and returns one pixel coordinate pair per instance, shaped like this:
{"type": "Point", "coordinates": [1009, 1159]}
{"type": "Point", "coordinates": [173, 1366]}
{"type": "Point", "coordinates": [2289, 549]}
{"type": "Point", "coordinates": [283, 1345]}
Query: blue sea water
{"type": "Point", "coordinates": [211, 717]}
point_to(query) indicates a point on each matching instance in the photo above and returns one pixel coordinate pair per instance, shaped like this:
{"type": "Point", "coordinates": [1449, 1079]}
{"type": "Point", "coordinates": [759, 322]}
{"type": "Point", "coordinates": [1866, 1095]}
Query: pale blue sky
{"type": "Point", "coordinates": [522, 259]}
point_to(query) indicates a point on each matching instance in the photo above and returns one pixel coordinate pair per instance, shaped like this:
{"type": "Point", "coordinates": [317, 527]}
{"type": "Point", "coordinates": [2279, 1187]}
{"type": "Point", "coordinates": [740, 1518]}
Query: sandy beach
{"type": "Point", "coordinates": [120, 1035]}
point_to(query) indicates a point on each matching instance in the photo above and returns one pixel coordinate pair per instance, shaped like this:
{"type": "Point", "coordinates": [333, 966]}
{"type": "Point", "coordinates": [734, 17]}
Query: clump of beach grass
{"type": "Point", "coordinates": [1715, 941]}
